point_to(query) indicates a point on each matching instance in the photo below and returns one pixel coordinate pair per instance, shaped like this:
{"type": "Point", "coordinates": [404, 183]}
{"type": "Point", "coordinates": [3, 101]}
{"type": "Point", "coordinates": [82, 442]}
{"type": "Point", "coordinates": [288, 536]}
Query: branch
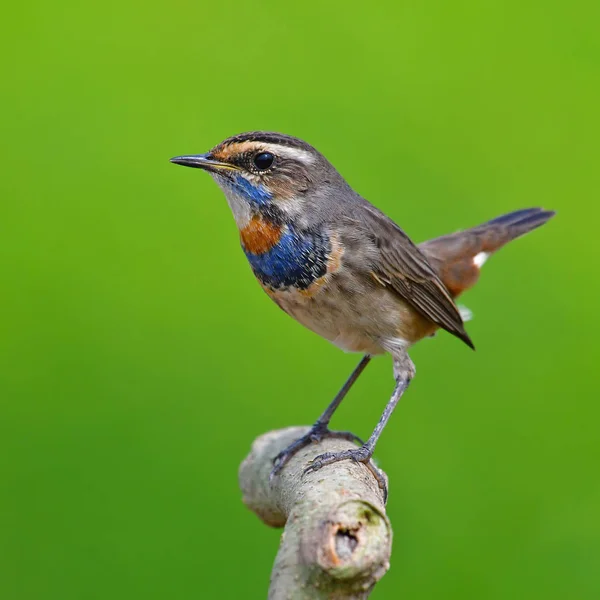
{"type": "Point", "coordinates": [337, 538]}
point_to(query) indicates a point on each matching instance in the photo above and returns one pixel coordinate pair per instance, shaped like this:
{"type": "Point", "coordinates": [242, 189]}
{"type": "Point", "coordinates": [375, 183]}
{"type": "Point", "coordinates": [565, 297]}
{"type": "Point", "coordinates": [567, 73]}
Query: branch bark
{"type": "Point", "coordinates": [337, 538]}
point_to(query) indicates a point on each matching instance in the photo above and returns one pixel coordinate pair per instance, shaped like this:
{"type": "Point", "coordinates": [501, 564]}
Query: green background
{"type": "Point", "coordinates": [139, 359]}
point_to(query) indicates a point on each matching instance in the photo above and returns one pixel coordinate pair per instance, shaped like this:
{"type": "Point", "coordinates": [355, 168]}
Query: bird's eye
{"type": "Point", "coordinates": [263, 160]}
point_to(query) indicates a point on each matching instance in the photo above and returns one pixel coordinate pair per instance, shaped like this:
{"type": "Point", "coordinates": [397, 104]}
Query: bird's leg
{"type": "Point", "coordinates": [321, 429]}
{"type": "Point", "coordinates": [403, 372]}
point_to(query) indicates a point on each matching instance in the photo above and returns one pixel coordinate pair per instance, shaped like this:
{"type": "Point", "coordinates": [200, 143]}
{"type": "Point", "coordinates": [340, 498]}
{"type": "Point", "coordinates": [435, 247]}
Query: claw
{"type": "Point", "coordinates": [317, 433]}
{"type": "Point", "coordinates": [361, 455]}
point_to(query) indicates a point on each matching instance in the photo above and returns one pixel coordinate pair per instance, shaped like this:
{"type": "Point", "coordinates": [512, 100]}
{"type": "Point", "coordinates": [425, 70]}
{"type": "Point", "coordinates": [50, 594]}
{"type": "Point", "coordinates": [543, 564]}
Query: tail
{"type": "Point", "coordinates": [458, 257]}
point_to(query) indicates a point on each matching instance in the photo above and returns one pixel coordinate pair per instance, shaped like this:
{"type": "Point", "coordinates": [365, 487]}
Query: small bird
{"type": "Point", "coordinates": [342, 268]}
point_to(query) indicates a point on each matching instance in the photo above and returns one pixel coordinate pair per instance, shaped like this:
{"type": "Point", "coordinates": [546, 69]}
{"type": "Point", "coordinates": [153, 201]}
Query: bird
{"type": "Point", "coordinates": [342, 268]}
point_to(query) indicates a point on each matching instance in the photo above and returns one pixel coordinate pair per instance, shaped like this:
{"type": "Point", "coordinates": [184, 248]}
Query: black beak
{"type": "Point", "coordinates": [203, 161]}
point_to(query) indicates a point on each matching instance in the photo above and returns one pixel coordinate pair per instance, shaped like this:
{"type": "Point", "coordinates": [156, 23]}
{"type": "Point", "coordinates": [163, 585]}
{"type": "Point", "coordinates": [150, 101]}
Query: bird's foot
{"type": "Point", "coordinates": [362, 455]}
{"type": "Point", "coordinates": [316, 433]}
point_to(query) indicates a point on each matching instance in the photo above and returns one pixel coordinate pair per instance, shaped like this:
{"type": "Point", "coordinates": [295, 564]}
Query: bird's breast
{"type": "Point", "coordinates": [285, 256]}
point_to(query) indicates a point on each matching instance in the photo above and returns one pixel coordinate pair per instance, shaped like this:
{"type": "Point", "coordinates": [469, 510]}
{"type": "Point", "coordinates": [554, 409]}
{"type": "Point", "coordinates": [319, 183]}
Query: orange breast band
{"type": "Point", "coordinates": [260, 235]}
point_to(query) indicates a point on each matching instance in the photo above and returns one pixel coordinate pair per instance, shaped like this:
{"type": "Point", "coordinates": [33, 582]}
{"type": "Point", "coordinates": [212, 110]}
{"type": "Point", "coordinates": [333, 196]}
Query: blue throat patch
{"type": "Point", "coordinates": [256, 194]}
{"type": "Point", "coordinates": [297, 260]}
{"type": "Point", "coordinates": [300, 256]}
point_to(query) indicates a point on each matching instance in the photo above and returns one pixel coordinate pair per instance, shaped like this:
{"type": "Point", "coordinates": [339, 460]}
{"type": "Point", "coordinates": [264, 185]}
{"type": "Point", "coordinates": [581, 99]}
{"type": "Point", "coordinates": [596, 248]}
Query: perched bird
{"type": "Point", "coordinates": [341, 267]}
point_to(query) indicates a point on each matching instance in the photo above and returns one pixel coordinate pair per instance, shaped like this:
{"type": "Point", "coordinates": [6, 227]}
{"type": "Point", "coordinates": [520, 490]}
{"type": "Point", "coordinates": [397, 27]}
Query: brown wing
{"type": "Point", "coordinates": [401, 266]}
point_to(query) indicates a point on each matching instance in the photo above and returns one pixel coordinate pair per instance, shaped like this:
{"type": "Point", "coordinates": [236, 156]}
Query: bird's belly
{"type": "Point", "coordinates": [327, 319]}
{"type": "Point", "coordinates": [354, 317]}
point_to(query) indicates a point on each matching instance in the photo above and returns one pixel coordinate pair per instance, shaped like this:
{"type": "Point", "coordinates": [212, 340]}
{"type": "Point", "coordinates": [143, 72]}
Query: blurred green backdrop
{"type": "Point", "coordinates": [139, 359]}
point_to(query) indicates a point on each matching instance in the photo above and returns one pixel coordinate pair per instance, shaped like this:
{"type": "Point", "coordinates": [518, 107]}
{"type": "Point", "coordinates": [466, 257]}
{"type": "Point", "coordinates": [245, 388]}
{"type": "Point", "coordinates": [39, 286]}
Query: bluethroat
{"type": "Point", "coordinates": [342, 268]}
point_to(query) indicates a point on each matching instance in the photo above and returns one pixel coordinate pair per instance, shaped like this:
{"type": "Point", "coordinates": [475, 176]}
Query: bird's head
{"type": "Point", "coordinates": [264, 171]}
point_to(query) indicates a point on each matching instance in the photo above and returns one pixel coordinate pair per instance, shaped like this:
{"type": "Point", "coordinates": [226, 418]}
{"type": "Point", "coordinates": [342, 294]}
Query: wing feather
{"type": "Point", "coordinates": [402, 267]}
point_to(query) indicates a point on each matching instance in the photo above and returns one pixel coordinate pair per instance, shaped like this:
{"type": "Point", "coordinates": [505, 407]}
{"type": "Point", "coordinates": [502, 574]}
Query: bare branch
{"type": "Point", "coordinates": [337, 538]}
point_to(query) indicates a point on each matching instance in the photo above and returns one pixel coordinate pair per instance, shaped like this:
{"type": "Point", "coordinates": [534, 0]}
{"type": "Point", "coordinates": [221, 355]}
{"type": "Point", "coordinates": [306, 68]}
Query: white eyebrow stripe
{"type": "Point", "coordinates": [293, 153]}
